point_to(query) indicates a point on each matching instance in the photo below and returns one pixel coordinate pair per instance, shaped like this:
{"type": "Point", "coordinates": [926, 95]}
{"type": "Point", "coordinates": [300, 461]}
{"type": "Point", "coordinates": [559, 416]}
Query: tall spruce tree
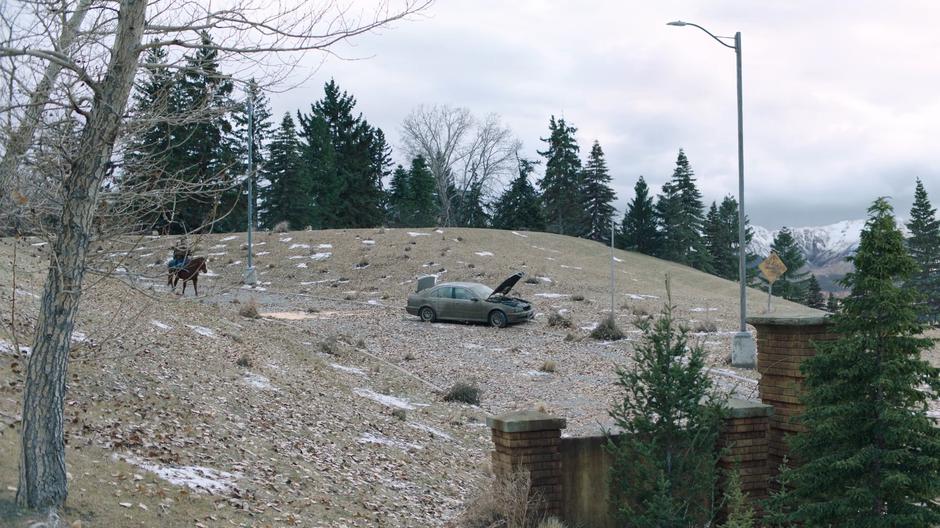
{"type": "Point", "coordinates": [832, 303]}
{"type": "Point", "coordinates": [924, 247]}
{"type": "Point", "coordinates": [423, 207]}
{"type": "Point", "coordinates": [289, 195]}
{"type": "Point", "coordinates": [870, 454]}
{"type": "Point", "coordinates": [598, 196]}
{"type": "Point", "coordinates": [664, 468]}
{"type": "Point", "coordinates": [396, 197]}
{"type": "Point", "coordinates": [814, 296]}
{"type": "Point", "coordinates": [792, 284]}
{"type": "Point", "coordinates": [720, 231]}
{"type": "Point", "coordinates": [561, 183]}
{"type": "Point", "coordinates": [319, 160]}
{"type": "Point", "coordinates": [519, 207]}
{"type": "Point", "coordinates": [638, 230]}
{"type": "Point", "coordinates": [680, 215]}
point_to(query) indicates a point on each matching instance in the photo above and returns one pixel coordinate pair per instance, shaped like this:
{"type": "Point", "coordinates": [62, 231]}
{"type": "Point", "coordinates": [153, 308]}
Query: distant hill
{"type": "Point", "coordinates": [825, 247]}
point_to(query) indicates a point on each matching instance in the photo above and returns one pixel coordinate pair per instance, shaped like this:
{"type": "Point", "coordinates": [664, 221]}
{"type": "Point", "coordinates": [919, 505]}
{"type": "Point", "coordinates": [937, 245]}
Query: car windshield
{"type": "Point", "coordinates": [481, 291]}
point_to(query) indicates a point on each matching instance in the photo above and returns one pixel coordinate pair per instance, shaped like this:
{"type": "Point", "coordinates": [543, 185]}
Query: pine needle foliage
{"type": "Point", "coordinates": [871, 455]}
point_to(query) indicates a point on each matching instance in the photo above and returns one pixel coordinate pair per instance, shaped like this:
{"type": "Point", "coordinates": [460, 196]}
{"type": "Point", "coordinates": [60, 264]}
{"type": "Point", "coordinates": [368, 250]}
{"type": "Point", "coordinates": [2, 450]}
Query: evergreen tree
{"type": "Point", "coordinates": [422, 205]}
{"type": "Point", "coordinates": [924, 247]}
{"type": "Point", "coordinates": [832, 304]}
{"type": "Point", "coordinates": [289, 196]}
{"type": "Point", "coordinates": [870, 454]}
{"type": "Point", "coordinates": [598, 196]}
{"type": "Point", "coordinates": [468, 208]}
{"type": "Point", "coordinates": [664, 463]}
{"type": "Point", "coordinates": [638, 228]}
{"type": "Point", "coordinates": [319, 160]}
{"type": "Point", "coordinates": [792, 284]}
{"type": "Point", "coordinates": [680, 215]}
{"type": "Point", "coordinates": [814, 296]}
{"type": "Point", "coordinates": [721, 238]}
{"type": "Point", "coordinates": [519, 207]}
{"type": "Point", "coordinates": [397, 197]}
{"type": "Point", "coordinates": [561, 184]}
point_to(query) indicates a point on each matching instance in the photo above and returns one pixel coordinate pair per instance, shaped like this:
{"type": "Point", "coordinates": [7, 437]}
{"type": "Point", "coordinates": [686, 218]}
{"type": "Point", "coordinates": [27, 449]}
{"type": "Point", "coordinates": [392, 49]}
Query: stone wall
{"type": "Point", "coordinates": [744, 439]}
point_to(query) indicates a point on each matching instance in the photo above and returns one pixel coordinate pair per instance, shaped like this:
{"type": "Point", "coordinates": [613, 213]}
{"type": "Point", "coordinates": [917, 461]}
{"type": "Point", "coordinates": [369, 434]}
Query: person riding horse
{"type": "Point", "coordinates": [180, 259]}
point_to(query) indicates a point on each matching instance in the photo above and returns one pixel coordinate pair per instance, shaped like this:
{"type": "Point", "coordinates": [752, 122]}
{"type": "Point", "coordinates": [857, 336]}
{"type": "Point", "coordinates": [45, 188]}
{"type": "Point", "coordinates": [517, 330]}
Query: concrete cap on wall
{"type": "Point", "coordinates": [738, 408]}
{"type": "Point", "coordinates": [789, 320]}
{"type": "Point", "coordinates": [525, 421]}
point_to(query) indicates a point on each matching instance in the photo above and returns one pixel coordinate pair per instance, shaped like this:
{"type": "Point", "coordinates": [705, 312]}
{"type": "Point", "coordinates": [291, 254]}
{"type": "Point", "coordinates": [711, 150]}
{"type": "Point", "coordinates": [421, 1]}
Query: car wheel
{"type": "Point", "coordinates": [498, 319]}
{"type": "Point", "coordinates": [427, 314]}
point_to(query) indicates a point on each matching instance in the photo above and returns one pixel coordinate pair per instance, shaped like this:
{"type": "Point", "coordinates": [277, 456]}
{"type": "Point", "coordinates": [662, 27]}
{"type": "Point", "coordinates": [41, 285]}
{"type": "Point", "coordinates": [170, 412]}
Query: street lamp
{"type": "Point", "coordinates": [743, 348]}
{"type": "Point", "coordinates": [250, 276]}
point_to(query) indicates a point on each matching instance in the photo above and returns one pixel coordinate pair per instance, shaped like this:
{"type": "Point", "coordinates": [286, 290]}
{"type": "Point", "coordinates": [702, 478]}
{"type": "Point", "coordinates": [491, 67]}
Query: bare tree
{"type": "Point", "coordinates": [89, 94]}
{"type": "Point", "coordinates": [463, 155]}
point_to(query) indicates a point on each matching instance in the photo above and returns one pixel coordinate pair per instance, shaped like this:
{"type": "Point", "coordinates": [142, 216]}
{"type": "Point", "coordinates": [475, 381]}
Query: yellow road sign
{"type": "Point", "coordinates": [772, 267]}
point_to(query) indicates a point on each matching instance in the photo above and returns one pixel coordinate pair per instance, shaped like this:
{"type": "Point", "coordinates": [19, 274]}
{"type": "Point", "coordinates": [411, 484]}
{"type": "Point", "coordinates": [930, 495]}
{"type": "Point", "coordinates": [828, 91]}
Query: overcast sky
{"type": "Point", "coordinates": [841, 98]}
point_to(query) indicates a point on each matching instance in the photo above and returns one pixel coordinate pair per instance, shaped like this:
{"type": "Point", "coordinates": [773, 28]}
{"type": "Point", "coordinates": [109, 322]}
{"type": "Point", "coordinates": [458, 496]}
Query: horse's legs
{"type": "Point", "coordinates": [195, 283]}
{"type": "Point", "coordinates": [184, 288]}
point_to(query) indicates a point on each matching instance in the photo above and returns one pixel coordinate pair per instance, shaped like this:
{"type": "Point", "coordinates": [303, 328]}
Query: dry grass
{"type": "Point", "coordinates": [249, 309]}
{"type": "Point", "coordinates": [505, 502]}
{"type": "Point", "coordinates": [707, 327]}
{"type": "Point", "coordinates": [607, 330]}
{"type": "Point", "coordinates": [463, 392]}
{"type": "Point", "coordinates": [548, 366]}
{"type": "Point", "coordinates": [557, 320]}
{"type": "Point", "coordinates": [281, 227]}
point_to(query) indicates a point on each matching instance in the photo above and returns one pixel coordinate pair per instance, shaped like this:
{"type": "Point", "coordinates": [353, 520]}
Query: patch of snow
{"type": "Point", "coordinates": [293, 257]}
{"type": "Point", "coordinates": [590, 327]}
{"type": "Point", "coordinates": [640, 296]}
{"type": "Point", "coordinates": [321, 256]}
{"type": "Point", "coordinates": [210, 273]}
{"type": "Point", "coordinates": [39, 244]}
{"type": "Point", "coordinates": [24, 293]}
{"type": "Point", "coordinates": [286, 239]}
{"type": "Point", "coordinates": [549, 258]}
{"type": "Point", "coordinates": [697, 309]}
{"type": "Point", "coordinates": [146, 255]}
{"type": "Point", "coordinates": [370, 438]}
{"type": "Point", "coordinates": [535, 373]}
{"type": "Point", "coordinates": [439, 231]}
{"type": "Point", "coordinates": [351, 370]}
{"type": "Point", "coordinates": [198, 478]}
{"type": "Point", "coordinates": [7, 348]}
{"type": "Point", "coordinates": [484, 253]}
{"type": "Point", "coordinates": [617, 259]}
{"type": "Point", "coordinates": [218, 246]}
{"type": "Point", "coordinates": [262, 253]}
{"type": "Point", "coordinates": [237, 262]}
{"type": "Point", "coordinates": [385, 399]}
{"type": "Point", "coordinates": [563, 311]}
{"type": "Point", "coordinates": [544, 279]}
{"type": "Point", "coordinates": [308, 283]}
{"type": "Point", "coordinates": [302, 246]}
{"type": "Point", "coordinates": [360, 266]}
{"type": "Point", "coordinates": [324, 246]}
{"type": "Point", "coordinates": [551, 295]}
{"type": "Point", "coordinates": [78, 337]}
{"type": "Point", "coordinates": [413, 234]}
{"type": "Point", "coordinates": [161, 326]}
{"type": "Point", "coordinates": [226, 239]}
{"type": "Point", "coordinates": [369, 242]}
{"type": "Point", "coordinates": [203, 331]}
{"type": "Point", "coordinates": [258, 381]}
{"type": "Point", "coordinates": [520, 234]}
{"type": "Point", "coordinates": [302, 265]}
{"type": "Point", "coordinates": [429, 429]}
{"type": "Point", "coordinates": [373, 302]}
{"type": "Point", "coordinates": [250, 287]}
{"type": "Point", "coordinates": [571, 267]}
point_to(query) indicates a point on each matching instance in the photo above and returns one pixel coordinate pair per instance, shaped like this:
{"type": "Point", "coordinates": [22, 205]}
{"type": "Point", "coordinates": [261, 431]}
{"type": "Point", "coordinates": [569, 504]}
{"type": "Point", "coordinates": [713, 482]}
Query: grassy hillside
{"type": "Point", "coordinates": [328, 410]}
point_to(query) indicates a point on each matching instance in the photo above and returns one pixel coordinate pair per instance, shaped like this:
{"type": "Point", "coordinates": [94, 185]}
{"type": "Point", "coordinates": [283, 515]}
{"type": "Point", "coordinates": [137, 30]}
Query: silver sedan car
{"type": "Point", "coordinates": [470, 301]}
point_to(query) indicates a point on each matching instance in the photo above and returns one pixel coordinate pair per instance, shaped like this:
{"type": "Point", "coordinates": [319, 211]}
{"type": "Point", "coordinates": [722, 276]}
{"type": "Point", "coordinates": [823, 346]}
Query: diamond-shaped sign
{"type": "Point", "coordinates": [772, 267]}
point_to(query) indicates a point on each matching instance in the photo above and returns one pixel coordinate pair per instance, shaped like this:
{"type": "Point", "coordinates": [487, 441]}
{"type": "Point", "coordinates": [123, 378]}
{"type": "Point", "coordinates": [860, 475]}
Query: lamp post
{"type": "Point", "coordinates": [250, 277]}
{"type": "Point", "coordinates": [743, 349]}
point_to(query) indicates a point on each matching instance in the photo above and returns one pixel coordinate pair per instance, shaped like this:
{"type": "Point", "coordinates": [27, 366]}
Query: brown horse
{"type": "Point", "coordinates": [190, 272]}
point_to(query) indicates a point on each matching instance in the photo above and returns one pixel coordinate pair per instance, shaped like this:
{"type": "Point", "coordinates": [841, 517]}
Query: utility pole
{"type": "Point", "coordinates": [250, 277]}
{"type": "Point", "coordinates": [611, 266]}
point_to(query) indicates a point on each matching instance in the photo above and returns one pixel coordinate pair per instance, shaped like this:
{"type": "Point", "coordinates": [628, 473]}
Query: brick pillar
{"type": "Point", "coordinates": [529, 441]}
{"type": "Point", "coordinates": [783, 342]}
{"type": "Point", "coordinates": [744, 439]}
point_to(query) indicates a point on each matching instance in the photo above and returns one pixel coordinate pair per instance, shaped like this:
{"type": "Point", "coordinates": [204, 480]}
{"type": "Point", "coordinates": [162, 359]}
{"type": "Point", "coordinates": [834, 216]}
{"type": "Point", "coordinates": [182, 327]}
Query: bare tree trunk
{"type": "Point", "coordinates": [42, 480]}
{"type": "Point", "coordinates": [20, 139]}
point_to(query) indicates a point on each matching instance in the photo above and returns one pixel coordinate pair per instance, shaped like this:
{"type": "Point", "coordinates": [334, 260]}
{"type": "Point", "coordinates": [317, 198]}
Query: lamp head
{"type": "Point", "coordinates": [676, 23]}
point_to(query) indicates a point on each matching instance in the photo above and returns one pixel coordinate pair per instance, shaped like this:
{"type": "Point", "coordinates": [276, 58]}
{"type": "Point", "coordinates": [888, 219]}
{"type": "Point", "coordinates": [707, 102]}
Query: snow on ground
{"type": "Point", "coordinates": [372, 438]}
{"type": "Point", "coordinates": [439, 231]}
{"type": "Point", "coordinates": [262, 253]}
{"type": "Point", "coordinates": [369, 242]}
{"type": "Point", "coordinates": [484, 253]}
{"type": "Point", "coordinates": [198, 478]}
{"type": "Point", "coordinates": [201, 330]}
{"type": "Point", "coordinates": [414, 234]}
{"type": "Point", "coordinates": [302, 265]}
{"type": "Point", "coordinates": [429, 429]}
{"type": "Point", "coordinates": [544, 279]}
{"type": "Point", "coordinates": [640, 296]}
{"type": "Point", "coordinates": [324, 246]}
{"type": "Point", "coordinates": [24, 293]}
{"type": "Point", "coordinates": [321, 256]}
{"type": "Point", "coordinates": [520, 234]}
{"type": "Point", "coordinates": [161, 326]}
{"type": "Point", "coordinates": [294, 257]}
{"type": "Point", "coordinates": [551, 295]}
{"type": "Point", "coordinates": [387, 400]}
{"type": "Point", "coordinates": [351, 370]}
{"type": "Point", "coordinates": [228, 238]}
{"type": "Point", "coordinates": [618, 259]}
{"type": "Point", "coordinates": [258, 381]}
{"type": "Point", "coordinates": [302, 246]}
{"type": "Point", "coordinates": [571, 267]}
{"type": "Point", "coordinates": [699, 309]}
{"type": "Point", "coordinates": [7, 348]}
{"type": "Point", "coordinates": [285, 239]}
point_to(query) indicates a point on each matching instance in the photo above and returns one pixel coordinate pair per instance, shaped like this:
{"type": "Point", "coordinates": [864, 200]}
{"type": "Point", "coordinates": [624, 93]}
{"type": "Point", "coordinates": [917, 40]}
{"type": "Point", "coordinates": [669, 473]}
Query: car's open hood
{"type": "Point", "coordinates": [506, 285]}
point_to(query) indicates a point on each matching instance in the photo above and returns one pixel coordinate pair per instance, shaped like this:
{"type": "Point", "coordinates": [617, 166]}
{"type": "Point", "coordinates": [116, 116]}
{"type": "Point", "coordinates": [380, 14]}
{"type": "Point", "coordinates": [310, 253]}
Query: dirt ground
{"type": "Point", "coordinates": [328, 410]}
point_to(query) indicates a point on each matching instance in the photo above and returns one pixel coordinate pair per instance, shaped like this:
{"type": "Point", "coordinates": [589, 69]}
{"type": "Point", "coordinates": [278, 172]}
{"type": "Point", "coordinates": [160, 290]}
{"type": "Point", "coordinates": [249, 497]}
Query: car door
{"type": "Point", "coordinates": [441, 301]}
{"type": "Point", "coordinates": [464, 306]}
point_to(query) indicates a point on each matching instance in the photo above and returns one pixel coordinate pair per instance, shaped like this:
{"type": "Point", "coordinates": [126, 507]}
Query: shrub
{"type": "Point", "coordinates": [281, 227]}
{"type": "Point", "coordinates": [330, 346]}
{"type": "Point", "coordinates": [548, 366]}
{"type": "Point", "coordinates": [531, 280]}
{"type": "Point", "coordinates": [401, 414]}
{"type": "Point", "coordinates": [249, 309]}
{"type": "Point", "coordinates": [552, 522]}
{"type": "Point", "coordinates": [557, 320]}
{"type": "Point", "coordinates": [409, 356]}
{"type": "Point", "coordinates": [577, 297]}
{"type": "Point", "coordinates": [360, 343]}
{"type": "Point", "coordinates": [706, 327]}
{"type": "Point", "coordinates": [463, 392]}
{"type": "Point", "coordinates": [243, 361]}
{"type": "Point", "coordinates": [571, 336]}
{"type": "Point", "coordinates": [607, 330]}
{"type": "Point", "coordinates": [505, 502]}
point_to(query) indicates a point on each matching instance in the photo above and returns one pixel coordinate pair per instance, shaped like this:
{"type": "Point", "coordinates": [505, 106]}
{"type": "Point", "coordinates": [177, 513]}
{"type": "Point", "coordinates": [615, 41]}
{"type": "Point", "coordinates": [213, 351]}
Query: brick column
{"type": "Point", "coordinates": [744, 439]}
{"type": "Point", "coordinates": [783, 342]}
{"type": "Point", "coordinates": [529, 441]}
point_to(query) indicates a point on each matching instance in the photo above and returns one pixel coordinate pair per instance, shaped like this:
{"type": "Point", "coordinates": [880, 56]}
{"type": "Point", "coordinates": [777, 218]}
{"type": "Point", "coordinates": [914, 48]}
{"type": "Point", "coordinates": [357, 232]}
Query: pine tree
{"type": "Point", "coordinates": [289, 196]}
{"type": "Point", "coordinates": [814, 296]}
{"type": "Point", "coordinates": [519, 207]}
{"type": "Point", "coordinates": [319, 160]}
{"type": "Point", "coordinates": [664, 463]}
{"type": "Point", "coordinates": [422, 204]}
{"type": "Point", "coordinates": [468, 208]}
{"type": "Point", "coordinates": [638, 229]}
{"type": "Point", "coordinates": [561, 183]}
{"type": "Point", "coordinates": [792, 284]}
{"type": "Point", "coordinates": [680, 215]}
{"type": "Point", "coordinates": [870, 454]}
{"type": "Point", "coordinates": [832, 304]}
{"type": "Point", "coordinates": [396, 198]}
{"type": "Point", "coordinates": [720, 231]}
{"type": "Point", "coordinates": [924, 247]}
{"type": "Point", "coordinates": [598, 196]}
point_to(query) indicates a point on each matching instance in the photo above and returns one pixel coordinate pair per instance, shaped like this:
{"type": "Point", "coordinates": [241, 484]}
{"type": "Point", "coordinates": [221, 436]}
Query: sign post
{"type": "Point", "coordinates": [772, 268]}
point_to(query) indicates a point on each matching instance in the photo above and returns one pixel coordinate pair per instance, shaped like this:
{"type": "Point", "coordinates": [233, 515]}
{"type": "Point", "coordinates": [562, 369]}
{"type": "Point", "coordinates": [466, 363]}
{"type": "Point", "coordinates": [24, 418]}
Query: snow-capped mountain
{"type": "Point", "coordinates": [825, 247]}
